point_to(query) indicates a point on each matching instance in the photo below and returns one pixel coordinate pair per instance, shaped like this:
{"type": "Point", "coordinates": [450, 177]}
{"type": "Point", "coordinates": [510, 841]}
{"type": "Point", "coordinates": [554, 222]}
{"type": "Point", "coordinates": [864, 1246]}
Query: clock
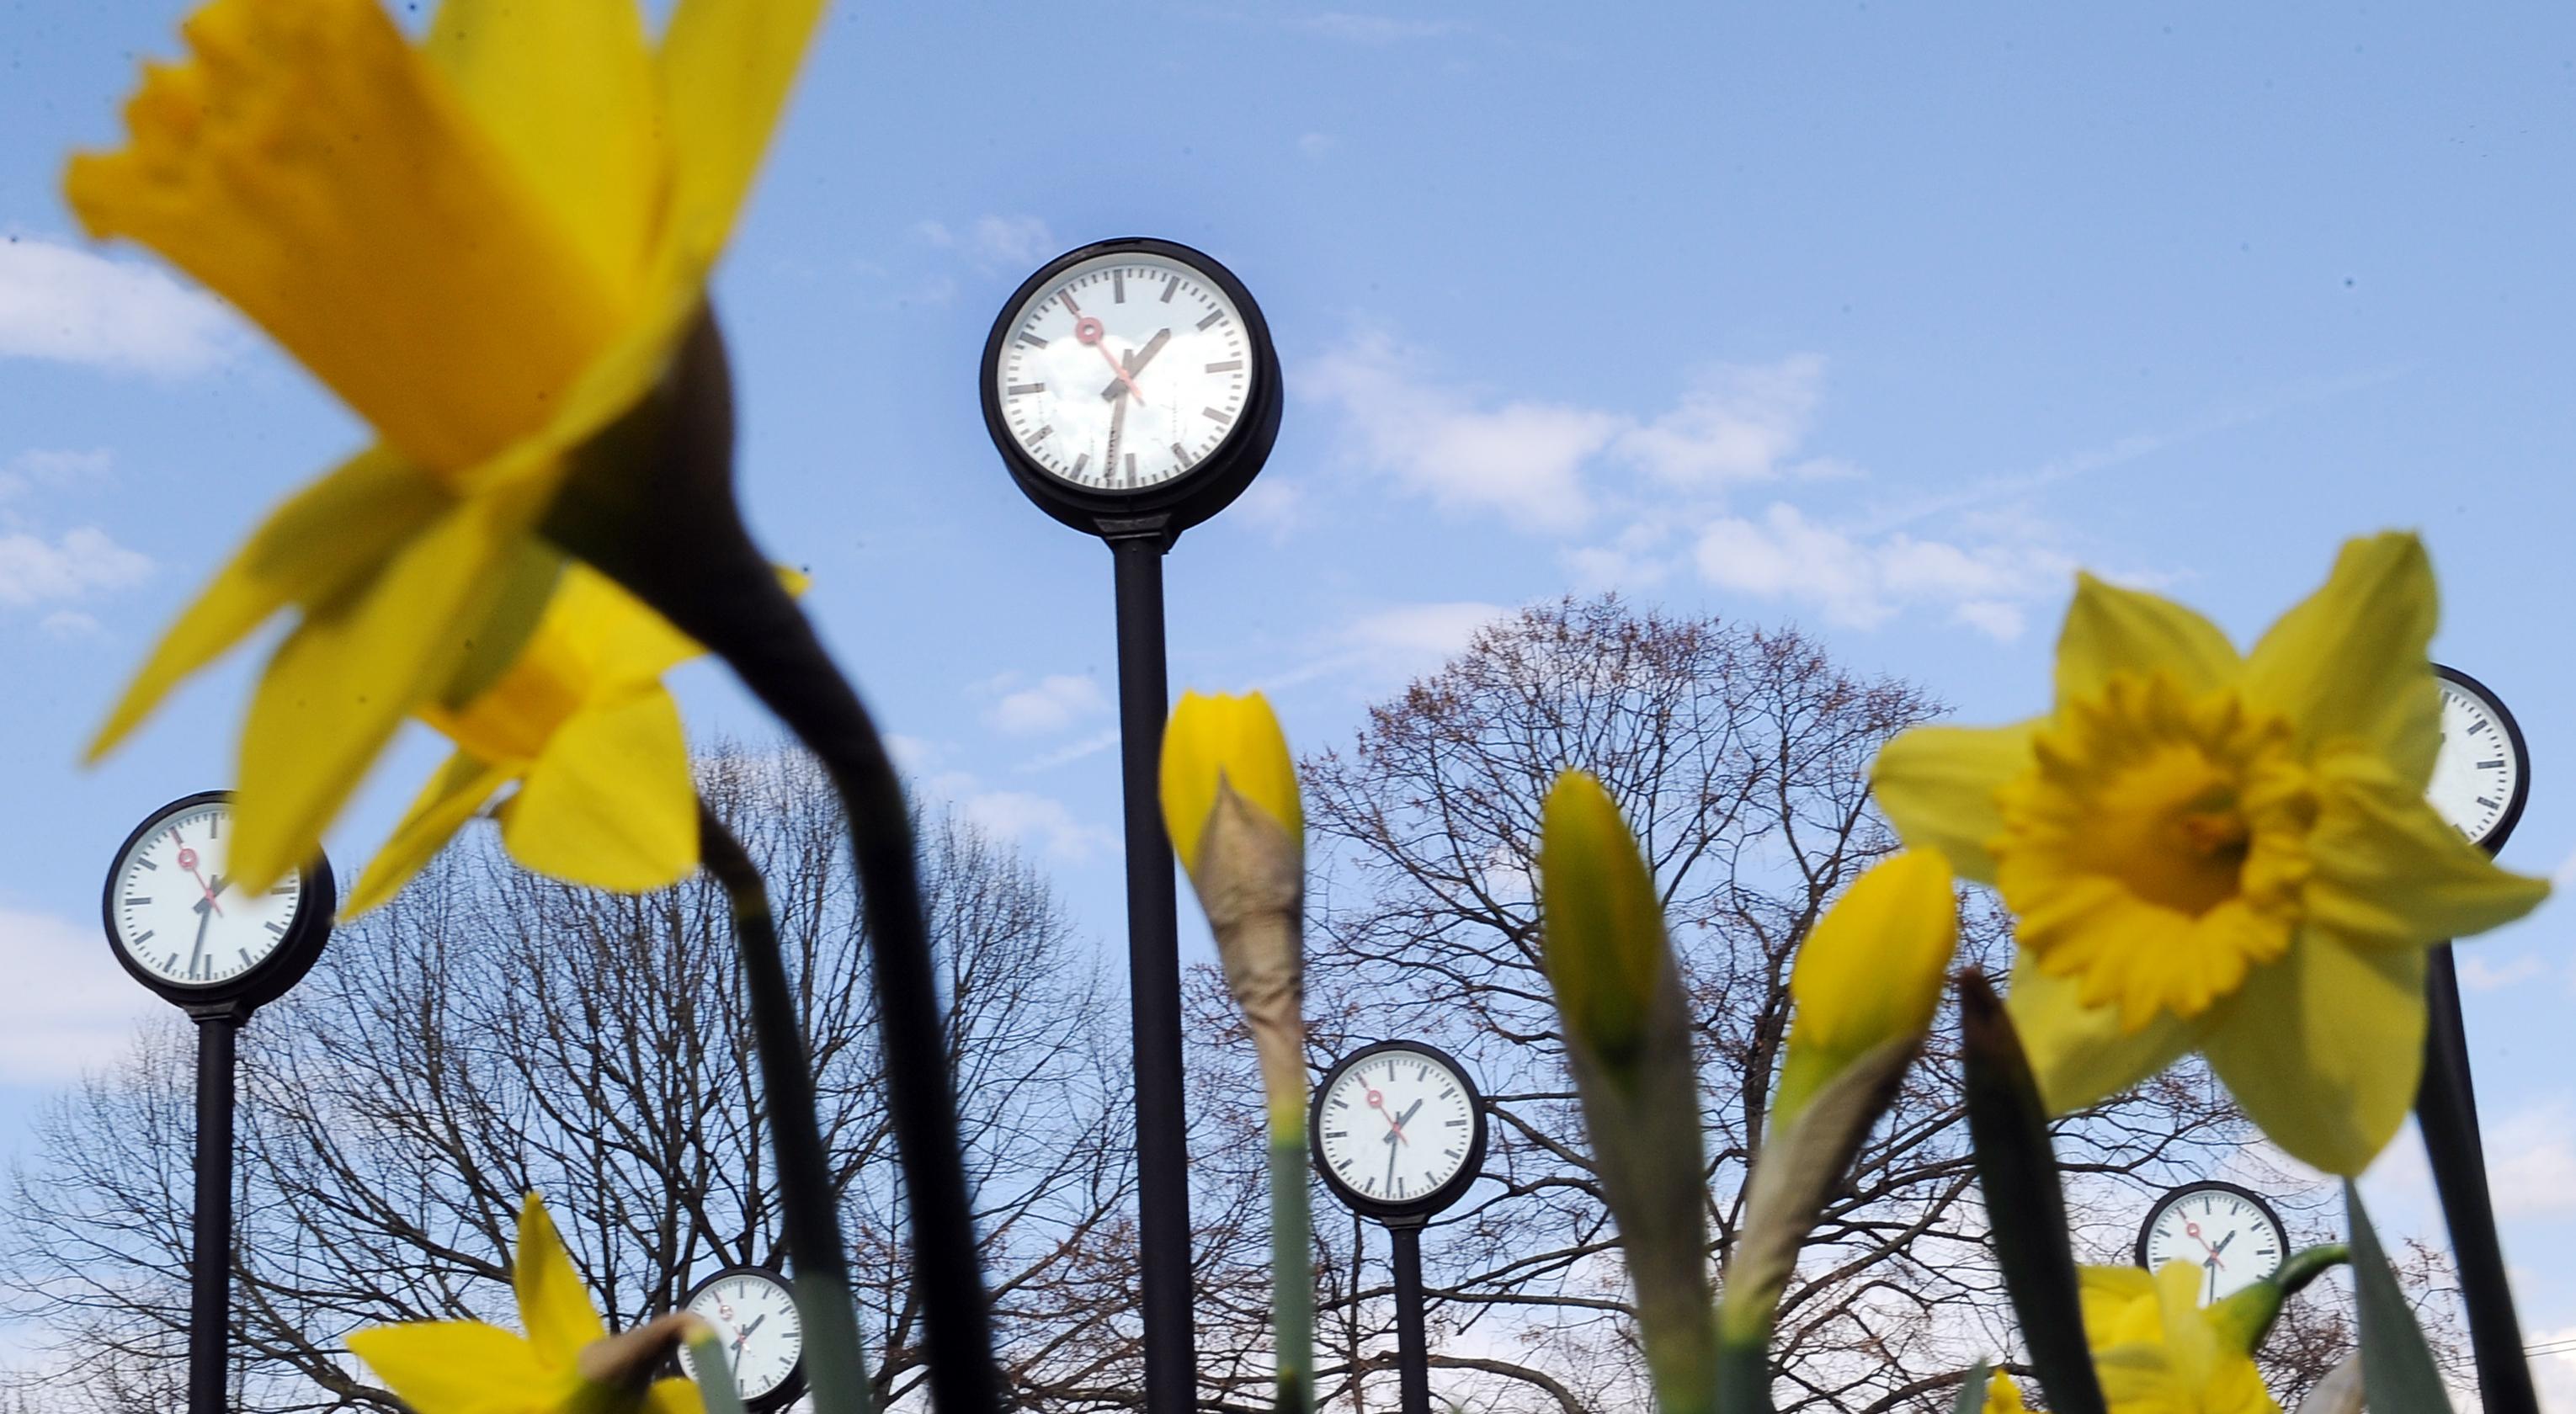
{"type": "Point", "coordinates": [2230, 1233]}
{"type": "Point", "coordinates": [182, 926]}
{"type": "Point", "coordinates": [1398, 1131]}
{"type": "Point", "coordinates": [2483, 775]}
{"type": "Point", "coordinates": [1131, 381]}
{"type": "Point", "coordinates": [754, 1315]}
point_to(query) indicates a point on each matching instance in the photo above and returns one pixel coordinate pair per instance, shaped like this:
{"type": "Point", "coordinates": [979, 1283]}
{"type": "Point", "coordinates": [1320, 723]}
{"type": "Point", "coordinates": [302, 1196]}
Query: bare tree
{"type": "Point", "coordinates": [1741, 758]}
{"type": "Point", "coordinates": [492, 1033]}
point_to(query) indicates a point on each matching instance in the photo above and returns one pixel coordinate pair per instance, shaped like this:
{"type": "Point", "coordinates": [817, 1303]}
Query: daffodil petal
{"type": "Point", "coordinates": [323, 539]}
{"type": "Point", "coordinates": [1938, 785]}
{"type": "Point", "coordinates": [457, 1367]}
{"type": "Point", "coordinates": [2110, 629]}
{"type": "Point", "coordinates": [629, 642]}
{"type": "Point", "coordinates": [341, 683]}
{"type": "Point", "coordinates": [2119, 1305]}
{"type": "Point", "coordinates": [2348, 662]}
{"type": "Point", "coordinates": [553, 1305]}
{"type": "Point", "coordinates": [2324, 1049]}
{"type": "Point", "coordinates": [451, 798]}
{"type": "Point", "coordinates": [524, 586]}
{"type": "Point", "coordinates": [2389, 872]}
{"type": "Point", "coordinates": [2079, 1054]}
{"type": "Point", "coordinates": [726, 67]}
{"type": "Point", "coordinates": [586, 135]}
{"type": "Point", "coordinates": [674, 1396]}
{"type": "Point", "coordinates": [610, 803]}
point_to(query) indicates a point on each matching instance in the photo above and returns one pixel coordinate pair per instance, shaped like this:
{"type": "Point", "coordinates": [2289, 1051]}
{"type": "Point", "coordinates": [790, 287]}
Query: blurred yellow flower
{"type": "Point", "coordinates": [2157, 1352]}
{"type": "Point", "coordinates": [1870, 971]}
{"type": "Point", "coordinates": [467, 1367]}
{"type": "Point", "coordinates": [488, 244]}
{"type": "Point", "coordinates": [2223, 853]}
{"type": "Point", "coordinates": [1603, 937]}
{"type": "Point", "coordinates": [1236, 741]}
{"type": "Point", "coordinates": [581, 721]}
{"type": "Point", "coordinates": [2002, 1395]}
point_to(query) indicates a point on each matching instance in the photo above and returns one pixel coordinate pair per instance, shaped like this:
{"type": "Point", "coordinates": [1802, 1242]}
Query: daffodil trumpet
{"type": "Point", "coordinates": [1228, 790]}
{"type": "Point", "coordinates": [835, 1359]}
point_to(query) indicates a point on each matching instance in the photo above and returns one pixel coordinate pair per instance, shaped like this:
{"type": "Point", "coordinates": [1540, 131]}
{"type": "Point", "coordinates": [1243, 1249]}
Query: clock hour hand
{"type": "Point", "coordinates": [1134, 363]}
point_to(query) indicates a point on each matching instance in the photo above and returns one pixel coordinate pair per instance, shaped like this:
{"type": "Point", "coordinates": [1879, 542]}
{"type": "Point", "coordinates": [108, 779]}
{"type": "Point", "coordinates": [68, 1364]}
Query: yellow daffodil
{"type": "Point", "coordinates": [581, 721]}
{"type": "Point", "coordinates": [2002, 1395]}
{"type": "Point", "coordinates": [567, 1361]}
{"type": "Point", "coordinates": [488, 244]}
{"type": "Point", "coordinates": [1870, 971]}
{"type": "Point", "coordinates": [2224, 853]}
{"type": "Point", "coordinates": [1603, 944]}
{"type": "Point", "coordinates": [1233, 740]}
{"type": "Point", "coordinates": [2157, 1352]}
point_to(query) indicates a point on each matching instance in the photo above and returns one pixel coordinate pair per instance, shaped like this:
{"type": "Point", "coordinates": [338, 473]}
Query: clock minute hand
{"type": "Point", "coordinates": [205, 916]}
{"type": "Point", "coordinates": [2222, 1244]}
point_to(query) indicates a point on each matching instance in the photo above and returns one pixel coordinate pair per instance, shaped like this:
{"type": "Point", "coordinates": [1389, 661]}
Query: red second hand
{"type": "Point", "coordinates": [1377, 1102]}
{"type": "Point", "coordinates": [188, 861]}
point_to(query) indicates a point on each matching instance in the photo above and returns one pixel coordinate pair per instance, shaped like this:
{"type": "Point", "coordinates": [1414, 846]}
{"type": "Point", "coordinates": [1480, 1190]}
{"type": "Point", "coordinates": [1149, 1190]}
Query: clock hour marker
{"type": "Point", "coordinates": [2477, 727]}
{"type": "Point", "coordinates": [1033, 341]}
{"type": "Point", "coordinates": [1043, 433]}
{"type": "Point", "coordinates": [287, 887]}
{"type": "Point", "coordinates": [2496, 764]}
{"type": "Point", "coordinates": [1214, 318]}
{"type": "Point", "coordinates": [2489, 804]}
{"type": "Point", "coordinates": [137, 902]}
{"type": "Point", "coordinates": [145, 863]}
{"type": "Point", "coordinates": [245, 957]}
{"type": "Point", "coordinates": [1018, 388]}
{"type": "Point", "coordinates": [276, 930]}
{"type": "Point", "coordinates": [1117, 287]}
{"type": "Point", "coordinates": [143, 937]}
{"type": "Point", "coordinates": [1080, 462]}
{"type": "Point", "coordinates": [1225, 365]}
{"type": "Point", "coordinates": [1178, 453]}
{"type": "Point", "coordinates": [1215, 415]}
{"type": "Point", "coordinates": [1131, 468]}
{"type": "Point", "coordinates": [1170, 283]}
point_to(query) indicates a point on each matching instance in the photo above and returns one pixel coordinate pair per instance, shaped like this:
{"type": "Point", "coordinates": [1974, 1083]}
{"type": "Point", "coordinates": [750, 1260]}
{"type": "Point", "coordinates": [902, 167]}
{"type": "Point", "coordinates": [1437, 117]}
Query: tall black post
{"type": "Point", "coordinates": [1154, 979]}
{"type": "Point", "coordinates": [2447, 1108]}
{"type": "Point", "coordinates": [1412, 1350]}
{"type": "Point", "coordinates": [210, 1260]}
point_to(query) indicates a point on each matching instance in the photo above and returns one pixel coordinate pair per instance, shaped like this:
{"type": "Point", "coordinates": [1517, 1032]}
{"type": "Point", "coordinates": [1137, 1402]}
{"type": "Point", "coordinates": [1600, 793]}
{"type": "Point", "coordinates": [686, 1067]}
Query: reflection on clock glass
{"type": "Point", "coordinates": [2475, 773]}
{"type": "Point", "coordinates": [178, 911]}
{"type": "Point", "coordinates": [1124, 372]}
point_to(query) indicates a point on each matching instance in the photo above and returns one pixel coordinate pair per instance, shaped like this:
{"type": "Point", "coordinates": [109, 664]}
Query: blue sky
{"type": "Point", "coordinates": [1874, 321]}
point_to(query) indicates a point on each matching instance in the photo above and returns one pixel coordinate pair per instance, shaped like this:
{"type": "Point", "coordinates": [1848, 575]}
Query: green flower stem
{"type": "Point", "coordinates": [835, 1357]}
{"type": "Point", "coordinates": [651, 505]}
{"type": "Point", "coordinates": [1292, 1267]}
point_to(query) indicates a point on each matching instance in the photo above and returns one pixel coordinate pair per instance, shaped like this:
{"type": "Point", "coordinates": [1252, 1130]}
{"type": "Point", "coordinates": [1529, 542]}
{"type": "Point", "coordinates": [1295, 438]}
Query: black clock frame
{"type": "Point", "coordinates": [1170, 507]}
{"type": "Point", "coordinates": [2496, 835]}
{"type": "Point", "coordinates": [265, 980]}
{"type": "Point", "coordinates": [2210, 1185]}
{"type": "Point", "coordinates": [790, 1389]}
{"type": "Point", "coordinates": [1408, 1211]}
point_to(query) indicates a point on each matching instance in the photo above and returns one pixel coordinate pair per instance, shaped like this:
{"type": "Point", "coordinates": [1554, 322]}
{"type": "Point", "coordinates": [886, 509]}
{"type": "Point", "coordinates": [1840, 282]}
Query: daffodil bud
{"type": "Point", "coordinates": [1603, 922]}
{"type": "Point", "coordinates": [1230, 804]}
{"type": "Point", "coordinates": [1871, 971]}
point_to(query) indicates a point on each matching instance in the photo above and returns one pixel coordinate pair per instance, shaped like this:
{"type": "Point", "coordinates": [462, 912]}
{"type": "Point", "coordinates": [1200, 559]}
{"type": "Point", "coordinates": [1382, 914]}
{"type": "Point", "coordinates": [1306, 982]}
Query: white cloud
{"type": "Point", "coordinates": [1735, 423]}
{"type": "Point", "coordinates": [53, 468]}
{"type": "Point", "coordinates": [2531, 1161]}
{"type": "Point", "coordinates": [1091, 745]}
{"type": "Point", "coordinates": [68, 624]}
{"type": "Point", "coordinates": [83, 1014]}
{"type": "Point", "coordinates": [2479, 974]}
{"type": "Point", "coordinates": [1521, 459]}
{"type": "Point", "coordinates": [1023, 817]}
{"type": "Point", "coordinates": [1374, 29]}
{"type": "Point", "coordinates": [1012, 241]}
{"type": "Point", "coordinates": [1861, 582]}
{"type": "Point", "coordinates": [1415, 636]}
{"type": "Point", "coordinates": [1054, 703]}
{"type": "Point", "coordinates": [32, 570]}
{"type": "Point", "coordinates": [62, 302]}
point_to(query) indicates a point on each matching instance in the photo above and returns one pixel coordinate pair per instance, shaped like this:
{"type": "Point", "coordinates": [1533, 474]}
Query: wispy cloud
{"type": "Point", "coordinates": [1042, 821]}
{"type": "Point", "coordinates": [1863, 581]}
{"type": "Point", "coordinates": [33, 569]}
{"type": "Point", "coordinates": [72, 305]}
{"type": "Point", "coordinates": [1392, 643]}
{"type": "Point", "coordinates": [53, 469]}
{"type": "Point", "coordinates": [82, 1016]}
{"type": "Point", "coordinates": [995, 242]}
{"type": "Point", "coordinates": [1051, 704]}
{"type": "Point", "coordinates": [2479, 974]}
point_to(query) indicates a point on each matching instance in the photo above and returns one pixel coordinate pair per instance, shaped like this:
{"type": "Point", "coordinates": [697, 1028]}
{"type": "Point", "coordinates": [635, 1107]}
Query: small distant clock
{"type": "Point", "coordinates": [1131, 381]}
{"type": "Point", "coordinates": [1398, 1130]}
{"type": "Point", "coordinates": [754, 1315]}
{"type": "Point", "coordinates": [182, 925]}
{"type": "Point", "coordinates": [2483, 775]}
{"type": "Point", "coordinates": [2228, 1232]}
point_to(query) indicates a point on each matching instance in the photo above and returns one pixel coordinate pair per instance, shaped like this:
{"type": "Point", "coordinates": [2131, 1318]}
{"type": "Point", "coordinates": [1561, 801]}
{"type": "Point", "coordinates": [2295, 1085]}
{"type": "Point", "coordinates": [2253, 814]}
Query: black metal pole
{"type": "Point", "coordinates": [210, 1260]}
{"type": "Point", "coordinates": [2447, 1108]}
{"type": "Point", "coordinates": [1154, 983]}
{"type": "Point", "coordinates": [1412, 1350]}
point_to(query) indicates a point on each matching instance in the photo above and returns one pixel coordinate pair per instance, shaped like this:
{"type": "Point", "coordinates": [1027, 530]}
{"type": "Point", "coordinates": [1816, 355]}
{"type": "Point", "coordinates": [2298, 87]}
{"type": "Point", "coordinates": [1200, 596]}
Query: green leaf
{"type": "Point", "coordinates": [1972, 1390]}
{"type": "Point", "coordinates": [2397, 1370]}
{"type": "Point", "coordinates": [2017, 1172]}
{"type": "Point", "coordinates": [716, 1386]}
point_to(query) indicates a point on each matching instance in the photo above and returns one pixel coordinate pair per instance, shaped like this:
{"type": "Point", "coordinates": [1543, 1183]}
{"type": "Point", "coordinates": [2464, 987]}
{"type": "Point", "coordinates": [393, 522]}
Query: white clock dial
{"type": "Point", "coordinates": [2227, 1235]}
{"type": "Point", "coordinates": [1396, 1126]}
{"type": "Point", "coordinates": [175, 909]}
{"type": "Point", "coordinates": [2478, 769]}
{"type": "Point", "coordinates": [1125, 371]}
{"type": "Point", "coordinates": [755, 1321]}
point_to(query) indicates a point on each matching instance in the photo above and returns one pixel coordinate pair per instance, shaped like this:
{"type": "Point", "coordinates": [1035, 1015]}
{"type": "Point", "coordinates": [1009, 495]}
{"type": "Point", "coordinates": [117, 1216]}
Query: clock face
{"type": "Point", "coordinates": [175, 911]}
{"type": "Point", "coordinates": [1395, 1126]}
{"type": "Point", "coordinates": [1124, 372]}
{"type": "Point", "coordinates": [2480, 768]}
{"type": "Point", "coordinates": [2226, 1232]}
{"type": "Point", "coordinates": [756, 1323]}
